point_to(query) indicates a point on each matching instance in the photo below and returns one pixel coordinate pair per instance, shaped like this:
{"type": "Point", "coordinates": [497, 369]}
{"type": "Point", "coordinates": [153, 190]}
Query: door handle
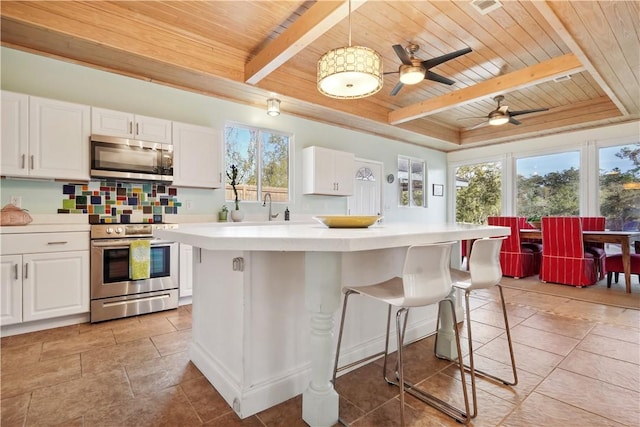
{"type": "Point", "coordinates": [23, 161]}
{"type": "Point", "coordinates": [26, 270]}
{"type": "Point", "coordinates": [130, 127]}
{"type": "Point", "coordinates": [15, 270]}
{"type": "Point", "coordinates": [137, 128]}
{"type": "Point", "coordinates": [32, 161]}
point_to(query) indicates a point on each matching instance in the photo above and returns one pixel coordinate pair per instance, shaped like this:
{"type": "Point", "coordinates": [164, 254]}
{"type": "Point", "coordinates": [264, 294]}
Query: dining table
{"type": "Point", "coordinates": [623, 238]}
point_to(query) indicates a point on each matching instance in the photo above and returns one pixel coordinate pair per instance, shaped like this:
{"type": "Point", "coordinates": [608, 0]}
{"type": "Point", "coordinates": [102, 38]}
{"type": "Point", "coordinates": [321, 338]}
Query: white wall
{"type": "Point", "coordinates": [40, 76]}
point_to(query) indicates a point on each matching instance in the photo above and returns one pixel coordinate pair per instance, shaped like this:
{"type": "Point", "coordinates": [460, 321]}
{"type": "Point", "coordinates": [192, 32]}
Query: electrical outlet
{"type": "Point", "coordinates": [189, 204]}
{"type": "Point", "coordinates": [16, 201]}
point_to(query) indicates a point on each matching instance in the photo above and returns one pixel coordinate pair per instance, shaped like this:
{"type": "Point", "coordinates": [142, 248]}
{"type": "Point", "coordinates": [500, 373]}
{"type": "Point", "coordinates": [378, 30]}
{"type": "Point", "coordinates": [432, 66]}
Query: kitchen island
{"type": "Point", "coordinates": [265, 298]}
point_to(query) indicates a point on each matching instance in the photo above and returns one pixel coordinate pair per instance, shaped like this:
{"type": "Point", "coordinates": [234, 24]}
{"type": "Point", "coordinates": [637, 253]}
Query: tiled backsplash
{"type": "Point", "coordinates": [111, 201]}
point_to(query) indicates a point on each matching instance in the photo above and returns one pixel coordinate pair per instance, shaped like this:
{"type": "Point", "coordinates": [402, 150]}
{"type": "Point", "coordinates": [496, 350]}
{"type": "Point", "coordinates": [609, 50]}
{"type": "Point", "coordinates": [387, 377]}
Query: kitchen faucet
{"type": "Point", "coordinates": [264, 203]}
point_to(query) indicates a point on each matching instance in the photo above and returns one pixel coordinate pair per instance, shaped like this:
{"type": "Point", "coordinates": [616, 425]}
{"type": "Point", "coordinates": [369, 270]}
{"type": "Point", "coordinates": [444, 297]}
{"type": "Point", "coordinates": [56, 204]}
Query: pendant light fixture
{"type": "Point", "coordinates": [350, 72]}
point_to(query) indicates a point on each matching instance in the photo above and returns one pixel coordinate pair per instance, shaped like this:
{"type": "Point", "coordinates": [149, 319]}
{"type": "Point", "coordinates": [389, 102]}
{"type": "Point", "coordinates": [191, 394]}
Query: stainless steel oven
{"type": "Point", "coordinates": [113, 293]}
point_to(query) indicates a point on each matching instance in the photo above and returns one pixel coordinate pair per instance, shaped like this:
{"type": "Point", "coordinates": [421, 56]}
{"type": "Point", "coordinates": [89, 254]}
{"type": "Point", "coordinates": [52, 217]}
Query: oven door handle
{"type": "Point", "coordinates": [124, 244]}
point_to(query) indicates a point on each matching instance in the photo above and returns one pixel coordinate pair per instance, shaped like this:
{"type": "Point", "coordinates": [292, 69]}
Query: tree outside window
{"type": "Point", "coordinates": [262, 158]}
{"type": "Point", "coordinates": [478, 192]}
{"type": "Point", "coordinates": [620, 186]}
{"type": "Point", "coordinates": [411, 179]}
{"type": "Point", "coordinates": [548, 185]}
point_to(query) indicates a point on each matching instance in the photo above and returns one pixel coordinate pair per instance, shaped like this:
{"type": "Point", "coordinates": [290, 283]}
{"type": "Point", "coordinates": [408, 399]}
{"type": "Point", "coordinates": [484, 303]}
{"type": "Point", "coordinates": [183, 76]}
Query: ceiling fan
{"type": "Point", "coordinates": [413, 70]}
{"type": "Point", "coordinates": [501, 115]}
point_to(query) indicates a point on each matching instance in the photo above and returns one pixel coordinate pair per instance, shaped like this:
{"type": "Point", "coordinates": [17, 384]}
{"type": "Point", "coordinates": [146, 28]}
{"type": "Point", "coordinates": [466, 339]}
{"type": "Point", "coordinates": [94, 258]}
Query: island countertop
{"type": "Point", "coordinates": [317, 237]}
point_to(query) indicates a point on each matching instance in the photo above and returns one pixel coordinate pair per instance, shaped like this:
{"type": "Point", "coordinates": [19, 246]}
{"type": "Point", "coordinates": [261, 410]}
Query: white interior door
{"type": "Point", "coordinates": [367, 191]}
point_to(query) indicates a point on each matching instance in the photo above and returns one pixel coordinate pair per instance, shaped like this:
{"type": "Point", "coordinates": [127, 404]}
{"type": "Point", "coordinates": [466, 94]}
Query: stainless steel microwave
{"type": "Point", "coordinates": [131, 159]}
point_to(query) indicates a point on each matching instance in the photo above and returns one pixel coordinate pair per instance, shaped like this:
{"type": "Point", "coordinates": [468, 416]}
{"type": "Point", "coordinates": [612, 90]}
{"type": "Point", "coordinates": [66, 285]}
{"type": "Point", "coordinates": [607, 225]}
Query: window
{"type": "Point", "coordinates": [548, 185]}
{"type": "Point", "coordinates": [619, 182]}
{"type": "Point", "coordinates": [411, 179]}
{"type": "Point", "coordinates": [478, 192]}
{"type": "Point", "coordinates": [262, 157]}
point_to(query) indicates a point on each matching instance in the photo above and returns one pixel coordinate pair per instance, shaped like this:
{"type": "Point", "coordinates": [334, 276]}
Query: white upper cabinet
{"type": "Point", "coordinates": [197, 156]}
{"type": "Point", "coordinates": [328, 172]}
{"type": "Point", "coordinates": [15, 134]}
{"type": "Point", "coordinates": [128, 125]}
{"type": "Point", "coordinates": [56, 134]}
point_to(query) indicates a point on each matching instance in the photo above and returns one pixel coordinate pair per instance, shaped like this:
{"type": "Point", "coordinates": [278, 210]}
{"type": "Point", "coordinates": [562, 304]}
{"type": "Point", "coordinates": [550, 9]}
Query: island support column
{"type": "Point", "coordinates": [322, 299]}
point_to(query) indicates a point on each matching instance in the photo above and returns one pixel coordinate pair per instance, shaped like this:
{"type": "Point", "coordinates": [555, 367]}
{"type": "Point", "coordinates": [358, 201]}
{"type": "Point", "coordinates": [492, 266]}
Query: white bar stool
{"type": "Point", "coordinates": [426, 280]}
{"type": "Point", "coordinates": [485, 272]}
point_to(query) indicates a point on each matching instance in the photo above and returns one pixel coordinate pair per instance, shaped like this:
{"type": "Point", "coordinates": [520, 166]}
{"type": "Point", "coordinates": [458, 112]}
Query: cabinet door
{"type": "Point", "coordinates": [318, 171]}
{"type": "Point", "coordinates": [55, 284]}
{"type": "Point", "coordinates": [344, 173]}
{"type": "Point", "coordinates": [186, 270]}
{"type": "Point", "coordinates": [58, 139]}
{"type": "Point", "coordinates": [15, 134]}
{"type": "Point", "coordinates": [327, 171]}
{"type": "Point", "coordinates": [111, 123]}
{"type": "Point", "coordinates": [197, 153]}
{"type": "Point", "coordinates": [10, 289]}
{"type": "Point", "coordinates": [152, 129]}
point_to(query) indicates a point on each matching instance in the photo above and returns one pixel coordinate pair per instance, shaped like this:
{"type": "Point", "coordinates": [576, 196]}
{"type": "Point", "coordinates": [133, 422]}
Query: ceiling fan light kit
{"type": "Point", "coordinates": [498, 119]}
{"type": "Point", "coordinates": [350, 72]}
{"type": "Point", "coordinates": [411, 74]}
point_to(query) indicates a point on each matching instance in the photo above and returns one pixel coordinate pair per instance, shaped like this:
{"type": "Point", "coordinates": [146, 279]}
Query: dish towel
{"type": "Point", "coordinates": [140, 259]}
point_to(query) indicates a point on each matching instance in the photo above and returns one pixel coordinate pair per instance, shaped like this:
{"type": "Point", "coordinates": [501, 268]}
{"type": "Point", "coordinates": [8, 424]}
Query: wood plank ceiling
{"type": "Point", "coordinates": [246, 50]}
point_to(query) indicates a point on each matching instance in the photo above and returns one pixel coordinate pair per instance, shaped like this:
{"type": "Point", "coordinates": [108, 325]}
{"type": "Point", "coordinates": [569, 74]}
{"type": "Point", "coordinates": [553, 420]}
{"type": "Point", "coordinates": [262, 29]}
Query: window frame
{"type": "Point", "coordinates": [425, 183]}
{"type": "Point", "coordinates": [259, 162]}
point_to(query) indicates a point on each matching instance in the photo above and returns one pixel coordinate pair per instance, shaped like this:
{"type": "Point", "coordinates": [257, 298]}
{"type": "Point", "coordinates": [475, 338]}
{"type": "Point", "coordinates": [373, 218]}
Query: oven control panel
{"type": "Point", "coordinates": [112, 231]}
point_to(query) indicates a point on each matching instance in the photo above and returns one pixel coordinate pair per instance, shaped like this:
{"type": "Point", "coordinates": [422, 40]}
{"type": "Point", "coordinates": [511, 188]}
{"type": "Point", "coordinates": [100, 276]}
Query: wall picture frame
{"type": "Point", "coordinates": [438, 190]}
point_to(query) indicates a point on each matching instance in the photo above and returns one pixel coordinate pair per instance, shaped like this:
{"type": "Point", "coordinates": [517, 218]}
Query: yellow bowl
{"type": "Point", "coordinates": [347, 221]}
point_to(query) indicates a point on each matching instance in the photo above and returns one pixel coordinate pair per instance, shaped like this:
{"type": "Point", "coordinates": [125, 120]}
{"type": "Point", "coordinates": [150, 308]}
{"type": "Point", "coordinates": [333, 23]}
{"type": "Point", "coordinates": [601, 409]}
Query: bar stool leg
{"type": "Point", "coordinates": [400, 333]}
{"type": "Point", "coordinates": [344, 312]}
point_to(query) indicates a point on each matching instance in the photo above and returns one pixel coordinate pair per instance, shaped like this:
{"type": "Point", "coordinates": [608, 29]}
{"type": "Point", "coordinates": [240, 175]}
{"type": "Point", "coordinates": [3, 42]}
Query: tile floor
{"type": "Point", "coordinates": [578, 365]}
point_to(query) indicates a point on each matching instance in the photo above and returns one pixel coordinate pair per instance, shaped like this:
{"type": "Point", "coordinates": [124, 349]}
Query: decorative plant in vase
{"type": "Point", "coordinates": [222, 215]}
{"type": "Point", "coordinates": [236, 215]}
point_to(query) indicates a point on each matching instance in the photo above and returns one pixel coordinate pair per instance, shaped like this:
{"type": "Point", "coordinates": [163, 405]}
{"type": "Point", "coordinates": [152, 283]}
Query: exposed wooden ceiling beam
{"type": "Point", "coordinates": [530, 76]}
{"type": "Point", "coordinates": [549, 15]}
{"type": "Point", "coordinates": [319, 19]}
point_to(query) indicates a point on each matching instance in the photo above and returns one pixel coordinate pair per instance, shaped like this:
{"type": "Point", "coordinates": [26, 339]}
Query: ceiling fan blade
{"type": "Point", "coordinates": [391, 72]}
{"type": "Point", "coordinates": [396, 88]}
{"type": "Point", "coordinates": [402, 54]}
{"type": "Point", "coordinates": [429, 63]}
{"type": "Point", "coordinates": [430, 75]}
{"type": "Point", "coordinates": [478, 125]}
{"type": "Point", "coordinates": [514, 121]}
{"type": "Point", "coordinates": [535, 110]}
{"type": "Point", "coordinates": [471, 117]}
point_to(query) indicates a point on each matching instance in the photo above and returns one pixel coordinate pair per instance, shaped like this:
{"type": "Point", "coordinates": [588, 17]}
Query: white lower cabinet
{"type": "Point", "coordinates": [46, 276]}
{"type": "Point", "coordinates": [186, 270]}
{"type": "Point", "coordinates": [55, 284]}
{"type": "Point", "coordinates": [10, 289]}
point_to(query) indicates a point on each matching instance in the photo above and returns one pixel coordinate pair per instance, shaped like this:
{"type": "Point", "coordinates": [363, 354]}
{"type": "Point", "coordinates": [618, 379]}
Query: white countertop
{"type": "Point", "coordinates": [317, 237]}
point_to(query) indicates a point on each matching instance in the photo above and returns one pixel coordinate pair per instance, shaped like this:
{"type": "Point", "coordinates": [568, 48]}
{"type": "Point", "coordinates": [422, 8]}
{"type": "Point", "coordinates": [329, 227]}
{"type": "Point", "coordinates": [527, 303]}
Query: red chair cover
{"type": "Point", "coordinates": [614, 265]}
{"type": "Point", "coordinates": [516, 259]}
{"type": "Point", "coordinates": [563, 257]}
{"type": "Point", "coordinates": [595, 223]}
